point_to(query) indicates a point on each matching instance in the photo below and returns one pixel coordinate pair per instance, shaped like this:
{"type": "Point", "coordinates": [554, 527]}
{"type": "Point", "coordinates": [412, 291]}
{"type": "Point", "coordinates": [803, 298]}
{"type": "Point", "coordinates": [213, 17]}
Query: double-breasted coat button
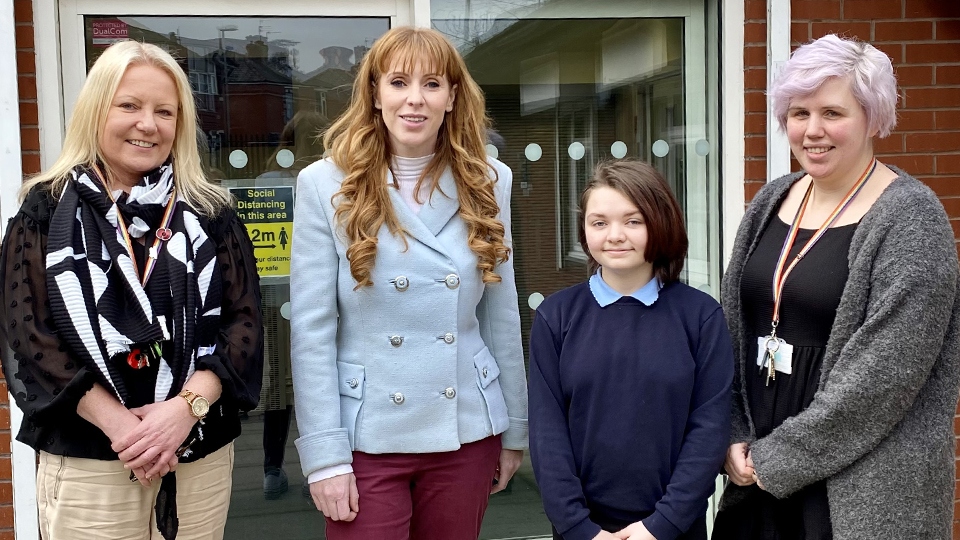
{"type": "Point", "coordinates": [396, 341]}
{"type": "Point", "coordinates": [452, 281]}
{"type": "Point", "coordinates": [484, 373]}
{"type": "Point", "coordinates": [450, 393]}
{"type": "Point", "coordinates": [449, 338]}
{"type": "Point", "coordinates": [353, 383]}
{"type": "Point", "coordinates": [401, 283]}
{"type": "Point", "coordinates": [397, 398]}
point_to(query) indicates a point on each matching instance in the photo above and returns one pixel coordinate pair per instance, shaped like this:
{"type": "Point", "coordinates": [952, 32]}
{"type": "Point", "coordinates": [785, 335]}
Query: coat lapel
{"type": "Point", "coordinates": [443, 204]}
{"type": "Point", "coordinates": [434, 214]}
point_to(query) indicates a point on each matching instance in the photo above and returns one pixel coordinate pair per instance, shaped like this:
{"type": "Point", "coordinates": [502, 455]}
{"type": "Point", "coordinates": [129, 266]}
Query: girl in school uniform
{"type": "Point", "coordinates": [630, 374]}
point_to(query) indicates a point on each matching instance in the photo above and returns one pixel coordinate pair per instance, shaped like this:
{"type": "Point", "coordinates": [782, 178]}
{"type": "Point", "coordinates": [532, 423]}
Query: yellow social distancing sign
{"type": "Point", "coordinates": [267, 212]}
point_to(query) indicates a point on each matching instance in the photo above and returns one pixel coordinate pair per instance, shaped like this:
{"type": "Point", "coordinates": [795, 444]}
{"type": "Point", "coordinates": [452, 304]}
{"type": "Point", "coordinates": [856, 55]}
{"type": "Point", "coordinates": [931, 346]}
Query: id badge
{"type": "Point", "coordinates": [782, 351]}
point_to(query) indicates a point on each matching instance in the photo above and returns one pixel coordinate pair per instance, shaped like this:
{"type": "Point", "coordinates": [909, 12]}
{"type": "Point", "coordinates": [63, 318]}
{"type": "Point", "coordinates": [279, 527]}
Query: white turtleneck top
{"type": "Point", "coordinates": [407, 171]}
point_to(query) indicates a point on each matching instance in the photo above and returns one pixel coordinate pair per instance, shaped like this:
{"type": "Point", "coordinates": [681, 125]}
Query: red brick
{"type": "Point", "coordinates": [892, 144]}
{"type": "Point", "coordinates": [5, 469]}
{"type": "Point", "coordinates": [754, 102]}
{"type": "Point", "coordinates": [932, 53]}
{"type": "Point", "coordinates": [951, 205]}
{"type": "Point", "coordinates": [755, 32]}
{"type": "Point", "coordinates": [902, 30]}
{"type": "Point", "coordinates": [948, 29]}
{"type": "Point", "coordinates": [914, 75]}
{"type": "Point", "coordinates": [956, 527]}
{"type": "Point", "coordinates": [23, 11]}
{"type": "Point", "coordinates": [948, 164]}
{"type": "Point", "coordinates": [933, 142]}
{"type": "Point", "coordinates": [800, 32]}
{"type": "Point", "coordinates": [31, 165]}
{"type": "Point", "coordinates": [24, 36]}
{"type": "Point", "coordinates": [755, 124]}
{"type": "Point", "coordinates": [28, 113]}
{"type": "Point", "coordinates": [931, 9]}
{"type": "Point", "coordinates": [947, 120]}
{"type": "Point", "coordinates": [955, 224]}
{"type": "Point", "coordinates": [754, 56]}
{"type": "Point", "coordinates": [872, 9]}
{"type": "Point", "coordinates": [844, 28]}
{"type": "Point", "coordinates": [755, 79]}
{"type": "Point", "coordinates": [26, 62]}
{"type": "Point", "coordinates": [6, 516]}
{"type": "Point", "coordinates": [750, 190]}
{"type": "Point", "coordinates": [755, 145]}
{"type": "Point", "coordinates": [27, 87]}
{"type": "Point", "coordinates": [895, 52]}
{"type": "Point", "coordinates": [948, 74]}
{"type": "Point", "coordinates": [915, 164]}
{"type": "Point", "coordinates": [932, 98]}
{"type": "Point", "coordinates": [29, 138]}
{"type": "Point", "coordinates": [815, 9]}
{"type": "Point", "coordinates": [755, 10]}
{"type": "Point", "coordinates": [944, 186]}
{"type": "Point", "coordinates": [915, 121]}
{"type": "Point", "coordinates": [755, 169]}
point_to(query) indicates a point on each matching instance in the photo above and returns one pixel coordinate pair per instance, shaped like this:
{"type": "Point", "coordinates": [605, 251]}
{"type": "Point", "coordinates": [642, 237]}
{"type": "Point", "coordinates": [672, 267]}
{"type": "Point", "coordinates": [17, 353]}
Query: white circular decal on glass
{"type": "Point", "coordinates": [618, 149]}
{"type": "Point", "coordinates": [533, 152]}
{"type": "Point", "coordinates": [534, 300]}
{"type": "Point", "coordinates": [576, 151]}
{"type": "Point", "coordinates": [285, 310]}
{"type": "Point", "coordinates": [702, 147]}
{"type": "Point", "coordinates": [492, 151]}
{"type": "Point", "coordinates": [238, 159]}
{"type": "Point", "coordinates": [661, 148]}
{"type": "Point", "coordinates": [285, 158]}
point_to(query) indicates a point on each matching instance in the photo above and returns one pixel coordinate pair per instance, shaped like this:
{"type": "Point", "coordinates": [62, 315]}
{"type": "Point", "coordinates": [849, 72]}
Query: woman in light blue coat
{"type": "Point", "coordinates": [407, 357]}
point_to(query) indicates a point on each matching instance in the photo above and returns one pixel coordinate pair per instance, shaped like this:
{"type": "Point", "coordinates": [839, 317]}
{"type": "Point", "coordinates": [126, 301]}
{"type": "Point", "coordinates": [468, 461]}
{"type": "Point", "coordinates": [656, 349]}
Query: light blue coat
{"type": "Point", "coordinates": [426, 359]}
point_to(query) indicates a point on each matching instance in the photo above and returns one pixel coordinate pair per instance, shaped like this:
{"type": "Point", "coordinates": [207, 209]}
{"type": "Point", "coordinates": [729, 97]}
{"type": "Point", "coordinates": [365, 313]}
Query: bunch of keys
{"type": "Point", "coordinates": [771, 345]}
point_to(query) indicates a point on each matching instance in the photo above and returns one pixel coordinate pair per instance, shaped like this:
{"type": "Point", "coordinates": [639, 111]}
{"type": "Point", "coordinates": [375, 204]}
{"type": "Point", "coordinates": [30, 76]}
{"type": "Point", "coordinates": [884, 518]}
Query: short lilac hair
{"type": "Point", "coordinates": [869, 71]}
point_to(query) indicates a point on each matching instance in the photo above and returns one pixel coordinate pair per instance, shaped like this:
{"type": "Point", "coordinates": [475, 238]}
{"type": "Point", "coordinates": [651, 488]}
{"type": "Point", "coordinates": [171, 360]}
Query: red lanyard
{"type": "Point", "coordinates": [162, 235]}
{"type": "Point", "coordinates": [781, 271]}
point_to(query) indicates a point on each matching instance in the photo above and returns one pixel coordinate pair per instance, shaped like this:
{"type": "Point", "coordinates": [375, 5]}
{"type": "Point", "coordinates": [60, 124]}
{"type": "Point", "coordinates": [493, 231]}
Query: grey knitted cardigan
{"type": "Point", "coordinates": [880, 427]}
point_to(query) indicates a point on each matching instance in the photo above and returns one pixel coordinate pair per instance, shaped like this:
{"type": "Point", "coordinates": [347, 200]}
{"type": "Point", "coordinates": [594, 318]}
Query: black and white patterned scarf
{"type": "Point", "coordinates": [99, 305]}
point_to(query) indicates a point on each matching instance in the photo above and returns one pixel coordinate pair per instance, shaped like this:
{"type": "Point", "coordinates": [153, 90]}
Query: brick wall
{"type": "Point", "coordinates": [922, 37]}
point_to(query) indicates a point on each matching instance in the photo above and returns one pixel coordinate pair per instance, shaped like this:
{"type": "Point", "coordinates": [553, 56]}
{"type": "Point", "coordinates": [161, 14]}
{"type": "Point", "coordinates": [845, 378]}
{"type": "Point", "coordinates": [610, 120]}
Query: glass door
{"type": "Point", "coordinates": [266, 78]}
{"type": "Point", "coordinates": [569, 84]}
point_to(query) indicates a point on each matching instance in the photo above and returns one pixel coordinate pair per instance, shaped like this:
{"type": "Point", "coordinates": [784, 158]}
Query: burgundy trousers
{"type": "Point", "coordinates": [433, 496]}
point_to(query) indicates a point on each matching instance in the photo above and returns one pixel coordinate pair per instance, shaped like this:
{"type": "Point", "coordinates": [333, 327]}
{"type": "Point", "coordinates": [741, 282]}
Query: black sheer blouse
{"type": "Point", "coordinates": [48, 383]}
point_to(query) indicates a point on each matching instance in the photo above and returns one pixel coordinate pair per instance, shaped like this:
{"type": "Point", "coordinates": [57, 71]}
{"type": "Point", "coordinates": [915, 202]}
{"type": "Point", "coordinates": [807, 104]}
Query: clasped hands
{"type": "Point", "coordinates": [739, 466]}
{"type": "Point", "coordinates": [147, 438]}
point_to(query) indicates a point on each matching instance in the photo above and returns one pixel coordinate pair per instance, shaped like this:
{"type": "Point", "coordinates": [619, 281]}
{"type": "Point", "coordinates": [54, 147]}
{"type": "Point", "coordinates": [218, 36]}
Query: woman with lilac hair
{"type": "Point", "coordinates": [841, 301]}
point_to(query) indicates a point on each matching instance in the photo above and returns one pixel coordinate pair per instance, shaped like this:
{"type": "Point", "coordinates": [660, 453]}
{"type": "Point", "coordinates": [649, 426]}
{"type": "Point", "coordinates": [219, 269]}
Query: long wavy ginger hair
{"type": "Point", "coordinates": [360, 146]}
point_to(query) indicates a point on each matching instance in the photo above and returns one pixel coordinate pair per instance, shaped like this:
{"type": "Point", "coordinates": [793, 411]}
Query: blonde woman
{"type": "Point", "coordinates": [133, 314]}
{"type": "Point", "coordinates": [407, 360]}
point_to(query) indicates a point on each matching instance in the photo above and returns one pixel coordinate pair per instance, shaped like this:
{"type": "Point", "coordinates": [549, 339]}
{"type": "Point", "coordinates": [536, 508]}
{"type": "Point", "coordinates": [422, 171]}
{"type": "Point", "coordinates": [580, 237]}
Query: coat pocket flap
{"type": "Point", "coordinates": [351, 380]}
{"type": "Point", "coordinates": [487, 368]}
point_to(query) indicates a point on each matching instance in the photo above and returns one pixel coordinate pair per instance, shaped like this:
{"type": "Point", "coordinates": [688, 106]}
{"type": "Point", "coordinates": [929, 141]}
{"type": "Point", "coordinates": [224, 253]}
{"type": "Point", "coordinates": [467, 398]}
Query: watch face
{"type": "Point", "coordinates": [200, 407]}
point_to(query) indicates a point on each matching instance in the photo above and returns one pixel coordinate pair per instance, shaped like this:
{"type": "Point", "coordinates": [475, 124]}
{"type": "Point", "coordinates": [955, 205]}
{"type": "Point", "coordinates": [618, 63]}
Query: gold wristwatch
{"type": "Point", "coordinates": [199, 406]}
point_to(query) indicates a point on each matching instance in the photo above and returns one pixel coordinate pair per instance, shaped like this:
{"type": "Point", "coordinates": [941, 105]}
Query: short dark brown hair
{"type": "Point", "coordinates": [645, 187]}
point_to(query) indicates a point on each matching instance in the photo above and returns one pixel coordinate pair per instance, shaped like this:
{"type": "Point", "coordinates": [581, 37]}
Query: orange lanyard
{"type": "Point", "coordinates": [162, 235]}
{"type": "Point", "coordinates": [781, 271]}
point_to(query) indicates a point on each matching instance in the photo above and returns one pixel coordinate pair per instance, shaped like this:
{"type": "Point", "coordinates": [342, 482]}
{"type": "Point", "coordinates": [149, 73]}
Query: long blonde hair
{"type": "Point", "coordinates": [81, 144]}
{"type": "Point", "coordinates": [359, 146]}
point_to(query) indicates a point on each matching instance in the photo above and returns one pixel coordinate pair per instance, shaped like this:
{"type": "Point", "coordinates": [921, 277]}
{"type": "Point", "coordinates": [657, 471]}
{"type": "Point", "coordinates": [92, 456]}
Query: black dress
{"type": "Point", "coordinates": [811, 295]}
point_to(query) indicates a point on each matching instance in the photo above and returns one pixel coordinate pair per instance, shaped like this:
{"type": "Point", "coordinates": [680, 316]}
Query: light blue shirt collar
{"type": "Point", "coordinates": [605, 295]}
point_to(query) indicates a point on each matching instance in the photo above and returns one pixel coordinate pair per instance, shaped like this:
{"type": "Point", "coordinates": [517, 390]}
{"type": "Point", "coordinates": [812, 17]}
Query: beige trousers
{"type": "Point", "coordinates": [90, 498]}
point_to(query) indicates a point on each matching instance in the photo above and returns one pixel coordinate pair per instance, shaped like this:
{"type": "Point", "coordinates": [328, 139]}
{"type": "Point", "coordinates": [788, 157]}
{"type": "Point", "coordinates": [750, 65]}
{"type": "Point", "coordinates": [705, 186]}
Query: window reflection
{"type": "Point", "coordinates": [265, 87]}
